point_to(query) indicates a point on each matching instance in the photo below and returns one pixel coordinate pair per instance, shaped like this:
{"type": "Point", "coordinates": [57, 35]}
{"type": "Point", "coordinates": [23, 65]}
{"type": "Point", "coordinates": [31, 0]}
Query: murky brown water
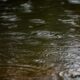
{"type": "Point", "coordinates": [39, 39]}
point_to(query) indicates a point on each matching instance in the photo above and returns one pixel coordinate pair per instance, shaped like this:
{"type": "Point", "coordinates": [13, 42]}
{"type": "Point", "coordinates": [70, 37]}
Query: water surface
{"type": "Point", "coordinates": [38, 39]}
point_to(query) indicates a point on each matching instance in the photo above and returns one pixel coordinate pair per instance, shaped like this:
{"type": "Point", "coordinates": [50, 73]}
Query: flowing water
{"type": "Point", "coordinates": [39, 40]}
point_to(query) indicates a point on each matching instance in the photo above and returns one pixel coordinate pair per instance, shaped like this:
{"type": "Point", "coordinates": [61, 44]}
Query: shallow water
{"type": "Point", "coordinates": [38, 39]}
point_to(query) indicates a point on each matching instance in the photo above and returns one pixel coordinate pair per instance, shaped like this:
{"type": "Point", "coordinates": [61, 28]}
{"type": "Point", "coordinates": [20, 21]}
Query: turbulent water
{"type": "Point", "coordinates": [39, 40]}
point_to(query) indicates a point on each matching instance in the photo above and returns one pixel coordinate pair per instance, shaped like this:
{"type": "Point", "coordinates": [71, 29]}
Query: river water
{"type": "Point", "coordinates": [39, 39]}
